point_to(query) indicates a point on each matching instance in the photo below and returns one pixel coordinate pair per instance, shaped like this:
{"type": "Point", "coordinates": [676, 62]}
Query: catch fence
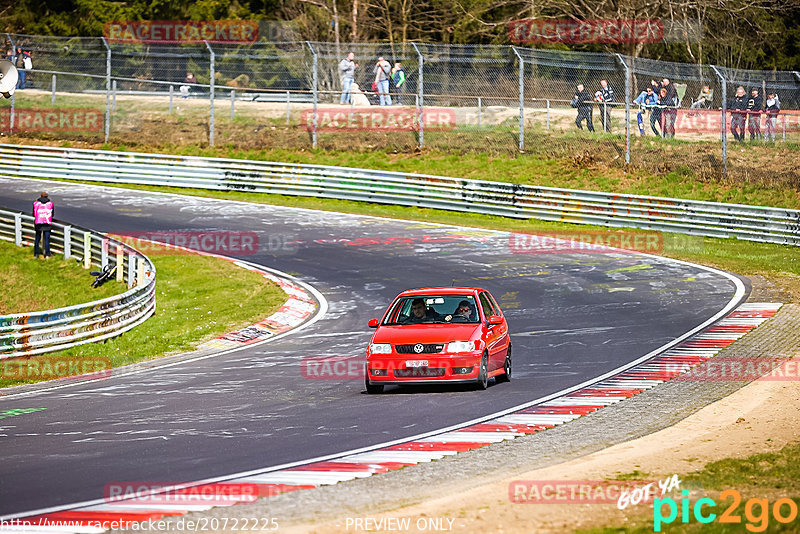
{"type": "Point", "coordinates": [455, 98]}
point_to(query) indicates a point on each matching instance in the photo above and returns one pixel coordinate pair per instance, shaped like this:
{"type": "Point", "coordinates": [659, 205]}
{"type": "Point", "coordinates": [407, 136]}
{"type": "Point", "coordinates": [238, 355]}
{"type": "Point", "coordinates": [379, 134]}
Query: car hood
{"type": "Point", "coordinates": [425, 333]}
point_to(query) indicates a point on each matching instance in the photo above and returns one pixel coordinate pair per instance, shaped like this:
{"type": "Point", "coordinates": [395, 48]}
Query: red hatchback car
{"type": "Point", "coordinates": [439, 334]}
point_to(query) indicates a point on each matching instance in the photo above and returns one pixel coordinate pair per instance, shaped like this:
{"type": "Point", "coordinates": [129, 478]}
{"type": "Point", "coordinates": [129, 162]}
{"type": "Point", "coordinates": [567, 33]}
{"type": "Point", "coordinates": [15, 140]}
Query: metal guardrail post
{"type": "Point", "coordinates": [67, 242]}
{"type": "Point", "coordinates": [18, 230]}
{"type": "Point", "coordinates": [521, 100]}
{"type": "Point", "coordinates": [87, 250]}
{"type": "Point", "coordinates": [314, 88]}
{"type": "Point", "coordinates": [171, 91]}
{"type": "Point", "coordinates": [114, 95]}
{"type": "Point", "coordinates": [139, 273]}
{"type": "Point", "coordinates": [120, 263]}
{"type": "Point", "coordinates": [132, 260]}
{"type": "Point", "coordinates": [211, 69]}
{"type": "Point", "coordinates": [53, 87]}
{"type": "Point", "coordinates": [420, 96]}
{"type": "Point", "coordinates": [627, 108]}
{"type": "Point", "coordinates": [104, 253]}
{"type": "Point", "coordinates": [724, 133]}
{"type": "Point", "coordinates": [108, 89]}
{"type": "Point", "coordinates": [233, 99]}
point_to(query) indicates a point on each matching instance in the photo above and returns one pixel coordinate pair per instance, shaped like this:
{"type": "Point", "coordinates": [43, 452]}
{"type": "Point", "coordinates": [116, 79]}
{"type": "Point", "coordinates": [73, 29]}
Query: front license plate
{"type": "Point", "coordinates": [416, 363]}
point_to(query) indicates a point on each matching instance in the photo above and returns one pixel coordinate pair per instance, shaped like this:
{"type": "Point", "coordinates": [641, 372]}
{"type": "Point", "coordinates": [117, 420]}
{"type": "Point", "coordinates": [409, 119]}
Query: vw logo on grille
{"type": "Point", "coordinates": [419, 347]}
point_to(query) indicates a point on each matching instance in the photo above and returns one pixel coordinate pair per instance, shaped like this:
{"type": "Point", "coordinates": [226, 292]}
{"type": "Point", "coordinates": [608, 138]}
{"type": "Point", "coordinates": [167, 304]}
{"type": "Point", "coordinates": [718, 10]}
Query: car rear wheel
{"type": "Point", "coordinates": [373, 389]}
{"type": "Point", "coordinates": [506, 376]}
{"type": "Point", "coordinates": [483, 372]}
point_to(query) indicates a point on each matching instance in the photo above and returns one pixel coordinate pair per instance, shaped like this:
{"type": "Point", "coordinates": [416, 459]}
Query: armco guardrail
{"type": "Point", "coordinates": [754, 223]}
{"type": "Point", "coordinates": [28, 334]}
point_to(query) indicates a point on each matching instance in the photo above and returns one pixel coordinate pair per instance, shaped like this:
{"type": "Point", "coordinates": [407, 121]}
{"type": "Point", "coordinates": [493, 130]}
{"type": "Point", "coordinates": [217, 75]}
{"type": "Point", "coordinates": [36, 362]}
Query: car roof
{"type": "Point", "coordinates": [440, 291]}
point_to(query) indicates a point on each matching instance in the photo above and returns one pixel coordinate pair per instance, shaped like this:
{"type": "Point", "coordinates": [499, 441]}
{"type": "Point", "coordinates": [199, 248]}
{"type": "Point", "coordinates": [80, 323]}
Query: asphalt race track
{"type": "Point", "coordinates": [572, 317]}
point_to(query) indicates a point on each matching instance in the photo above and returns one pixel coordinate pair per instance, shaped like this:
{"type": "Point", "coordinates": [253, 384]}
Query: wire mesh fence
{"type": "Point", "coordinates": [588, 107]}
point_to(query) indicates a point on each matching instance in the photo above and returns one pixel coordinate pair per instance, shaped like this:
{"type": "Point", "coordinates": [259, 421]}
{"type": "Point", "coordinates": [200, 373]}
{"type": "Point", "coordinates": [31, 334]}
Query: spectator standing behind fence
{"type": "Point", "coordinates": [383, 71]}
{"type": "Point", "coordinates": [347, 72]}
{"type": "Point", "coordinates": [647, 101]}
{"type": "Point", "coordinates": [42, 220]}
{"type": "Point", "coordinates": [754, 106]}
{"type": "Point", "coordinates": [772, 108]}
{"type": "Point", "coordinates": [669, 108]}
{"type": "Point", "coordinates": [606, 95]}
{"type": "Point", "coordinates": [23, 64]}
{"type": "Point", "coordinates": [582, 100]}
{"type": "Point", "coordinates": [738, 107]}
{"type": "Point", "coordinates": [398, 82]}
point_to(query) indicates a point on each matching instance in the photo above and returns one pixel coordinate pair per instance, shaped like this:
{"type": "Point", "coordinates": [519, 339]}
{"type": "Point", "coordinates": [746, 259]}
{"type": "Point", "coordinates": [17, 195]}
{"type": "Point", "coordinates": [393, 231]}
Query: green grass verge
{"type": "Point", "coordinates": [764, 476]}
{"type": "Point", "coordinates": [197, 298]}
{"type": "Point", "coordinates": [34, 285]}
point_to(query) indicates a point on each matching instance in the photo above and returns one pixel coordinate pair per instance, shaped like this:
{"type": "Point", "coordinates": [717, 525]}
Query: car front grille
{"type": "Point", "coordinates": [427, 348]}
{"type": "Point", "coordinates": [419, 372]}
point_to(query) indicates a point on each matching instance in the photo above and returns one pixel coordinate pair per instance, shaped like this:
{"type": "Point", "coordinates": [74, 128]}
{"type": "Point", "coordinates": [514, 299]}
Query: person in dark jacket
{"type": "Point", "coordinates": [669, 107]}
{"type": "Point", "coordinates": [772, 108]}
{"type": "Point", "coordinates": [754, 106]}
{"type": "Point", "coordinates": [43, 211]}
{"type": "Point", "coordinates": [603, 102]}
{"type": "Point", "coordinates": [583, 101]}
{"type": "Point", "coordinates": [738, 108]}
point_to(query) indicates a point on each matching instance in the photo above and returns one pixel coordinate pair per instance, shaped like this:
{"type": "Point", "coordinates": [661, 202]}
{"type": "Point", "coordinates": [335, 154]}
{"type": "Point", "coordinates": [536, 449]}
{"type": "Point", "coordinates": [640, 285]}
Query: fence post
{"type": "Point", "coordinates": [627, 108]}
{"type": "Point", "coordinates": [53, 96]}
{"type": "Point", "coordinates": [13, 97]}
{"type": "Point", "coordinates": [233, 99]}
{"type": "Point", "coordinates": [724, 133]}
{"type": "Point", "coordinates": [132, 270]}
{"type": "Point", "coordinates": [170, 99]}
{"type": "Point", "coordinates": [87, 250]}
{"type": "Point", "coordinates": [521, 100]}
{"type": "Point", "coordinates": [108, 88]}
{"type": "Point", "coordinates": [120, 263]}
{"type": "Point", "coordinates": [420, 96]}
{"type": "Point", "coordinates": [104, 252]}
{"type": "Point", "coordinates": [211, 96]}
{"type": "Point", "coordinates": [18, 229]}
{"type": "Point", "coordinates": [314, 87]}
{"type": "Point", "coordinates": [67, 242]}
{"type": "Point", "coordinates": [548, 113]}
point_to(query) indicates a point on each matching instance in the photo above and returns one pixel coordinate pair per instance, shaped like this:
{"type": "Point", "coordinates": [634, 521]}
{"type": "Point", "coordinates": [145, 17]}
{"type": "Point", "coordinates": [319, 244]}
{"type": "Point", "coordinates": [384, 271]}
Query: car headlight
{"type": "Point", "coordinates": [380, 348]}
{"type": "Point", "coordinates": [460, 346]}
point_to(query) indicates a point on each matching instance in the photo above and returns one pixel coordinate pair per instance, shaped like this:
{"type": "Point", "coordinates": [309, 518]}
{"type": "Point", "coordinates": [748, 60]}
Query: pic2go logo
{"type": "Point", "coordinates": [756, 511]}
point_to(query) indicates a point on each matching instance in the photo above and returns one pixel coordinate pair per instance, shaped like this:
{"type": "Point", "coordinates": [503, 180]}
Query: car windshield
{"type": "Point", "coordinates": [433, 309]}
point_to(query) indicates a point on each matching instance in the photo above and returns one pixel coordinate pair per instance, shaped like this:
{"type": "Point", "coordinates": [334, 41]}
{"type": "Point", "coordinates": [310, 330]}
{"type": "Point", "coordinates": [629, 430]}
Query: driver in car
{"type": "Point", "coordinates": [464, 311]}
{"type": "Point", "coordinates": [420, 313]}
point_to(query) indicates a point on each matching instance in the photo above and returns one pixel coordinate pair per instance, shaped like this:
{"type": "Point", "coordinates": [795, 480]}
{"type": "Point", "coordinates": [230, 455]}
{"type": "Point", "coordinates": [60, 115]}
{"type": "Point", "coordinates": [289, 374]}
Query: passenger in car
{"type": "Point", "coordinates": [420, 313]}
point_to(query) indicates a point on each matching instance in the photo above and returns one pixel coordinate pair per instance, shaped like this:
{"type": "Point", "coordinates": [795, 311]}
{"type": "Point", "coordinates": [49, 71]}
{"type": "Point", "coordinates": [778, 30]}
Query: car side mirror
{"type": "Point", "coordinates": [494, 319]}
{"type": "Point", "coordinates": [373, 323]}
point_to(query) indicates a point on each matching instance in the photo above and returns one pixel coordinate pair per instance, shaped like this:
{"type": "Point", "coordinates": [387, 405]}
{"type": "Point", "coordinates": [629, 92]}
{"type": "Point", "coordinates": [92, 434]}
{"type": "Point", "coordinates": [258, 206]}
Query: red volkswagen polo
{"type": "Point", "coordinates": [439, 334]}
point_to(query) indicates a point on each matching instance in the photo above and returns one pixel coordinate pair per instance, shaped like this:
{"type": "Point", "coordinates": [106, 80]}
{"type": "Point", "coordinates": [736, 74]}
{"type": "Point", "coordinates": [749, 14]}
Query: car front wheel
{"type": "Point", "coordinates": [373, 389]}
{"type": "Point", "coordinates": [483, 372]}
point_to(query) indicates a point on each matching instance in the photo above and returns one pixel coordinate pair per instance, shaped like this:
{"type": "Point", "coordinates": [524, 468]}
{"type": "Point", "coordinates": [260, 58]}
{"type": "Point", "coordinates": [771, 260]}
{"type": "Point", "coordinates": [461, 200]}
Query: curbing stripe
{"type": "Point", "coordinates": [693, 351]}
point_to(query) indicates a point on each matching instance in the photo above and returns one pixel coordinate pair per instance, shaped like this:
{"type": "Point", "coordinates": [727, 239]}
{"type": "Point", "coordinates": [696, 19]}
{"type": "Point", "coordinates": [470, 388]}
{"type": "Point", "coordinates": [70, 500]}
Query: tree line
{"type": "Point", "coordinates": [745, 34]}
